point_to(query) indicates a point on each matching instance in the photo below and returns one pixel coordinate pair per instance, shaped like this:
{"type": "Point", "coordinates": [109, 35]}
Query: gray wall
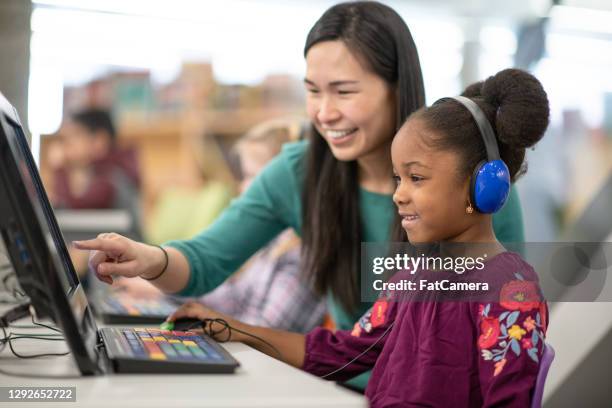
{"type": "Point", "coordinates": [15, 53]}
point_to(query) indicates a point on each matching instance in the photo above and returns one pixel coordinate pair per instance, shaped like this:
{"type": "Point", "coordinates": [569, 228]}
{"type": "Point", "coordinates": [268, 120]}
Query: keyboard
{"type": "Point", "coordinates": [169, 345]}
{"type": "Point", "coordinates": [164, 351]}
{"type": "Point", "coordinates": [122, 309]}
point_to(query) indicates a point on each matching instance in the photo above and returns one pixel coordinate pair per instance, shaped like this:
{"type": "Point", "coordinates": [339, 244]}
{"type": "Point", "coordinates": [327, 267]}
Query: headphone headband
{"type": "Point", "coordinates": [490, 182]}
{"type": "Point", "coordinates": [486, 131]}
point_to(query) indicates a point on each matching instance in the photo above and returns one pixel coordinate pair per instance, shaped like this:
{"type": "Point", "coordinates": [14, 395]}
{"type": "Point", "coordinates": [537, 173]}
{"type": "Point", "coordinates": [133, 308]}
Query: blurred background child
{"type": "Point", "coordinates": [91, 171]}
{"type": "Point", "coordinates": [269, 290]}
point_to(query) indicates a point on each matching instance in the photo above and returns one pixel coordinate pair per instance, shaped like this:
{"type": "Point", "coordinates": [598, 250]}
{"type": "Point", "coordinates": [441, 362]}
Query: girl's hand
{"type": "Point", "coordinates": [195, 310]}
{"type": "Point", "coordinates": [113, 254]}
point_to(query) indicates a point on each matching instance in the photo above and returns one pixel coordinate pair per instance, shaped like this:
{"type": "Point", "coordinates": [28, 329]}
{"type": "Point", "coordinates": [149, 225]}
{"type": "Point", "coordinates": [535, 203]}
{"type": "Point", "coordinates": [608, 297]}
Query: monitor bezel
{"type": "Point", "coordinates": [29, 215]}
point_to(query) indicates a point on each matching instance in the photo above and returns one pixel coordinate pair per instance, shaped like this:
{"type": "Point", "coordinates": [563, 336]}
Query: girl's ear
{"type": "Point", "coordinates": [469, 209]}
{"type": "Point", "coordinates": [465, 188]}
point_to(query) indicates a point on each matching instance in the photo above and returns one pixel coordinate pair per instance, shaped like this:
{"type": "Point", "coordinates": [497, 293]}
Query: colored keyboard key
{"type": "Point", "coordinates": [168, 345]}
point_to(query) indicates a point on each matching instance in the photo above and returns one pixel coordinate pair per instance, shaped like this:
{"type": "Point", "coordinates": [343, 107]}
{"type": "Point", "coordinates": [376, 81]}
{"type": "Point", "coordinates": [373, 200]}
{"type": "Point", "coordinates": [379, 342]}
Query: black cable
{"type": "Point", "coordinates": [23, 326]}
{"type": "Point", "coordinates": [7, 276]}
{"type": "Point", "coordinates": [24, 356]}
{"type": "Point", "coordinates": [3, 341]}
{"type": "Point", "coordinates": [14, 336]}
{"type": "Point", "coordinates": [360, 354]}
{"type": "Point", "coordinates": [16, 312]}
{"type": "Point", "coordinates": [8, 339]}
{"type": "Point", "coordinates": [208, 330]}
{"type": "Point", "coordinates": [44, 325]}
{"type": "Point", "coordinates": [36, 325]}
{"type": "Point", "coordinates": [15, 292]}
{"type": "Point", "coordinates": [46, 335]}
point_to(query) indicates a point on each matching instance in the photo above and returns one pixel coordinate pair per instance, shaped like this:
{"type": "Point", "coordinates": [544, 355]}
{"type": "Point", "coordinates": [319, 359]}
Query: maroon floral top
{"type": "Point", "coordinates": [443, 354]}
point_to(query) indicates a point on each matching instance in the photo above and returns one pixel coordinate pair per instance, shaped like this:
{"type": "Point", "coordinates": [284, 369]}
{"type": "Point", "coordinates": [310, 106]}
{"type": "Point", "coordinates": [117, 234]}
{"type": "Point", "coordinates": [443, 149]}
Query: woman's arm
{"type": "Point", "coordinates": [117, 255]}
{"type": "Point", "coordinates": [270, 205]}
{"type": "Point", "coordinates": [198, 265]}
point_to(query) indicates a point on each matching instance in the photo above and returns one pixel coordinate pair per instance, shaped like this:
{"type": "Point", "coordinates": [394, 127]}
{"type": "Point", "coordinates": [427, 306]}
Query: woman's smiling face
{"type": "Point", "coordinates": [351, 107]}
{"type": "Point", "coordinates": [430, 195]}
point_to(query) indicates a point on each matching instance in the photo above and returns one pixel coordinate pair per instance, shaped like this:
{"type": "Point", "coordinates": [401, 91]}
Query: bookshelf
{"type": "Point", "coordinates": [181, 149]}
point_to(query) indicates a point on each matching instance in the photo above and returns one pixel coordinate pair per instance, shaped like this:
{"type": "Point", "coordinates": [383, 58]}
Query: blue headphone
{"type": "Point", "coordinates": [490, 182]}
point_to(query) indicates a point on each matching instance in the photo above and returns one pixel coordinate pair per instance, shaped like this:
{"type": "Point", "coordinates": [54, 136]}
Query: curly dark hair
{"type": "Point", "coordinates": [515, 104]}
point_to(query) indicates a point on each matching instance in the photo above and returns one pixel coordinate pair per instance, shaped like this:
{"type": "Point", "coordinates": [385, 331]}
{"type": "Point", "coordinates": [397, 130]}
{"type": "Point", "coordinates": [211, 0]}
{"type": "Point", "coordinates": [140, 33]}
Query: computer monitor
{"type": "Point", "coordinates": [35, 244]}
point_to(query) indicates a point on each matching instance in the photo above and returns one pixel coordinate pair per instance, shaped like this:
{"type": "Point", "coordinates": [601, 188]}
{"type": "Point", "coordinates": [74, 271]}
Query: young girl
{"type": "Point", "coordinates": [440, 353]}
{"type": "Point", "coordinates": [363, 79]}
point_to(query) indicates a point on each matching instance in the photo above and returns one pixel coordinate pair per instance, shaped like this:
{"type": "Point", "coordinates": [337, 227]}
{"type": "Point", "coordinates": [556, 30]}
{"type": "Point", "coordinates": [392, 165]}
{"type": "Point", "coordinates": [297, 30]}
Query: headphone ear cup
{"type": "Point", "coordinates": [490, 186]}
{"type": "Point", "coordinates": [473, 181]}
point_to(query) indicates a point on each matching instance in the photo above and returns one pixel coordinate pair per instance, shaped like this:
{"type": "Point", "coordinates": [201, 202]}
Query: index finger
{"type": "Point", "coordinates": [99, 244]}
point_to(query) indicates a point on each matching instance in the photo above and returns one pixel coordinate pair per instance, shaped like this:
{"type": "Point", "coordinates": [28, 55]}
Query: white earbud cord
{"type": "Point", "coordinates": [361, 354]}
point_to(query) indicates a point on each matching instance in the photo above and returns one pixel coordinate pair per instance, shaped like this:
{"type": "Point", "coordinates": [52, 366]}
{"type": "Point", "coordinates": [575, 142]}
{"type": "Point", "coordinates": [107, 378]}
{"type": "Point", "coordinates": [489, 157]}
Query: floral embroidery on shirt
{"type": "Point", "coordinates": [379, 313]}
{"type": "Point", "coordinates": [489, 329]}
{"type": "Point", "coordinates": [356, 330]}
{"type": "Point", "coordinates": [364, 324]}
{"type": "Point", "coordinates": [520, 295]}
{"type": "Point", "coordinates": [505, 332]}
{"type": "Point", "coordinates": [543, 316]}
{"type": "Point", "coordinates": [376, 316]}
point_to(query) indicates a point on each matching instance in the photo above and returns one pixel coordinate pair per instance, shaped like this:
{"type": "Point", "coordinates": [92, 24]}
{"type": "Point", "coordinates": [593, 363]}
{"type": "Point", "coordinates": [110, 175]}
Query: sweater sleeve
{"type": "Point", "coordinates": [270, 205]}
{"type": "Point", "coordinates": [331, 354]}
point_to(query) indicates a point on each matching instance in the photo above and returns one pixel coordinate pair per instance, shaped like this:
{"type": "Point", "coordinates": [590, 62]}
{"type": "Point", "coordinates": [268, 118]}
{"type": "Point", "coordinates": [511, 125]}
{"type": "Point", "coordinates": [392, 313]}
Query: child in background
{"type": "Point", "coordinates": [425, 352]}
{"type": "Point", "coordinates": [270, 289]}
{"type": "Point", "coordinates": [91, 172]}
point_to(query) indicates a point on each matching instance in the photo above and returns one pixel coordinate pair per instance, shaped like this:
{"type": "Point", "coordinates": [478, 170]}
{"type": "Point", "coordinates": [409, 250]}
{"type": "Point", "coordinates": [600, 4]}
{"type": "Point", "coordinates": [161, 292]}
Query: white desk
{"type": "Point", "coordinates": [261, 381]}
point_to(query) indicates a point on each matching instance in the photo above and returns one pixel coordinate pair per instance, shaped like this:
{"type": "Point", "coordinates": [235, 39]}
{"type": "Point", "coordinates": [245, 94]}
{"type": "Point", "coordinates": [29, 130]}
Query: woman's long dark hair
{"type": "Point", "coordinates": [332, 230]}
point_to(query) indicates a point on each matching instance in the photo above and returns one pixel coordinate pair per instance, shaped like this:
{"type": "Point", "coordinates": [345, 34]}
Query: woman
{"type": "Point", "coordinates": [363, 80]}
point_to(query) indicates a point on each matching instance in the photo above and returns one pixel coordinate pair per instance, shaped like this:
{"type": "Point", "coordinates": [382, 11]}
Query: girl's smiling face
{"type": "Point", "coordinates": [431, 196]}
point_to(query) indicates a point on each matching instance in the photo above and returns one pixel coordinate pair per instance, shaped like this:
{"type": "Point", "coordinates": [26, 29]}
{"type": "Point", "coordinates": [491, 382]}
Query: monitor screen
{"type": "Point", "coordinates": [35, 244]}
{"type": "Point", "coordinates": [38, 196]}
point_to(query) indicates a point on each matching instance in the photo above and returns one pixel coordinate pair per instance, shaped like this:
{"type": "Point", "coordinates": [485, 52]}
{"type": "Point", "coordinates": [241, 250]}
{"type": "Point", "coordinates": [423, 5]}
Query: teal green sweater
{"type": "Point", "coordinates": [273, 203]}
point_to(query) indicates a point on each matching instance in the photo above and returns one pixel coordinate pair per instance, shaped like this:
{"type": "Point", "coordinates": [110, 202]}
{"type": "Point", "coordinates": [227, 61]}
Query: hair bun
{"type": "Point", "coordinates": [522, 107]}
{"type": "Point", "coordinates": [474, 90]}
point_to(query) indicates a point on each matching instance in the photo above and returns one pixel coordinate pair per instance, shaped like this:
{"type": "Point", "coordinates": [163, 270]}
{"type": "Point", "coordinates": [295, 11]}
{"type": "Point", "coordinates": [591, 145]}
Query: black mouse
{"type": "Point", "coordinates": [183, 324]}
